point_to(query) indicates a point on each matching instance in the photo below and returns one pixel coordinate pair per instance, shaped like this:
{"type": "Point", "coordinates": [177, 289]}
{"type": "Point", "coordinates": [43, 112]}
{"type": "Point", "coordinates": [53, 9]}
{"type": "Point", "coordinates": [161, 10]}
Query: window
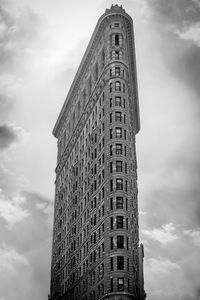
{"type": "Point", "coordinates": [119, 149]}
{"type": "Point", "coordinates": [120, 221]}
{"type": "Point", "coordinates": [111, 284]}
{"type": "Point", "coordinates": [111, 243]}
{"type": "Point", "coordinates": [118, 116]}
{"type": "Point", "coordinates": [111, 152]}
{"type": "Point", "coordinates": [119, 184]}
{"type": "Point", "coordinates": [110, 117]}
{"type": "Point", "coordinates": [110, 102]}
{"type": "Point", "coordinates": [116, 39]}
{"type": "Point", "coordinates": [127, 243]}
{"type": "Point", "coordinates": [118, 132]}
{"type": "Point", "coordinates": [124, 119]}
{"type": "Point", "coordinates": [126, 204]}
{"type": "Point", "coordinates": [111, 223]}
{"type": "Point", "coordinates": [116, 55]}
{"type": "Point", "coordinates": [124, 103]}
{"type": "Point", "coordinates": [119, 202]}
{"type": "Point", "coordinates": [117, 86]}
{"type": "Point", "coordinates": [125, 151]}
{"type": "Point", "coordinates": [119, 166]}
{"type": "Point", "coordinates": [111, 203]}
{"type": "Point", "coordinates": [126, 168]}
{"type": "Point", "coordinates": [117, 71]}
{"type": "Point", "coordinates": [120, 263]}
{"type": "Point", "coordinates": [127, 264]}
{"type": "Point", "coordinates": [111, 133]}
{"type": "Point", "coordinates": [120, 284]}
{"type": "Point", "coordinates": [127, 223]}
{"type": "Point", "coordinates": [111, 185]}
{"type": "Point", "coordinates": [110, 87]}
{"type": "Point", "coordinates": [126, 186]}
{"type": "Point", "coordinates": [120, 242]}
{"type": "Point", "coordinates": [124, 134]}
{"type": "Point", "coordinates": [118, 101]}
{"type": "Point", "coordinates": [111, 264]}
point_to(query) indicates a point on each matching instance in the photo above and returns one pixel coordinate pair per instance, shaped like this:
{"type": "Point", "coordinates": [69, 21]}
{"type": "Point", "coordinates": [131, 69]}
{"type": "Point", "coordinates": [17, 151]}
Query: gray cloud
{"type": "Point", "coordinates": [29, 242]}
{"type": "Point", "coordinates": [18, 26]}
{"type": "Point", "coordinates": [177, 22]}
{"type": "Point", "coordinates": [8, 135]}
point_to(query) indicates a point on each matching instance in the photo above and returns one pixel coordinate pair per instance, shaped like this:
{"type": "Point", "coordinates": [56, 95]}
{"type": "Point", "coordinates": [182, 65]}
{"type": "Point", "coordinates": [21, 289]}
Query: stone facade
{"type": "Point", "coordinates": [95, 234]}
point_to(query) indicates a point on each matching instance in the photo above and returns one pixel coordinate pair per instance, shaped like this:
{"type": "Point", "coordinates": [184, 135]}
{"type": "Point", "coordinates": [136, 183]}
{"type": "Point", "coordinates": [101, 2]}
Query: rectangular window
{"type": "Point", "coordinates": [127, 243]}
{"type": "Point", "coordinates": [120, 242]}
{"type": "Point", "coordinates": [118, 132]}
{"type": "Point", "coordinates": [111, 243]}
{"type": "Point", "coordinates": [111, 223]}
{"type": "Point", "coordinates": [111, 284]}
{"type": "Point", "coordinates": [111, 185]}
{"type": "Point", "coordinates": [119, 166]}
{"type": "Point", "coordinates": [120, 222]}
{"type": "Point", "coordinates": [118, 116]}
{"type": "Point", "coordinates": [111, 203]}
{"type": "Point", "coordinates": [110, 102]}
{"type": "Point", "coordinates": [119, 149]}
{"type": "Point", "coordinates": [120, 284]}
{"type": "Point", "coordinates": [120, 262]}
{"type": "Point", "coordinates": [118, 101]}
{"type": "Point", "coordinates": [119, 184]}
{"type": "Point", "coordinates": [117, 71]}
{"type": "Point", "coordinates": [125, 134]}
{"type": "Point", "coordinates": [111, 167]}
{"type": "Point", "coordinates": [111, 152]}
{"type": "Point", "coordinates": [127, 223]}
{"type": "Point", "coordinates": [119, 202]}
{"type": "Point", "coordinates": [111, 133]}
{"type": "Point", "coordinates": [125, 168]}
{"type": "Point", "coordinates": [117, 55]}
{"type": "Point", "coordinates": [111, 264]}
{"type": "Point", "coordinates": [110, 117]}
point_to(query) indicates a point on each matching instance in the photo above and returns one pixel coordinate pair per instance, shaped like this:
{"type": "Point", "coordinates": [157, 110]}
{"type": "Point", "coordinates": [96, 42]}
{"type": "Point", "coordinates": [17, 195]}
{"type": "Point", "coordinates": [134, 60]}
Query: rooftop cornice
{"type": "Point", "coordinates": [102, 22]}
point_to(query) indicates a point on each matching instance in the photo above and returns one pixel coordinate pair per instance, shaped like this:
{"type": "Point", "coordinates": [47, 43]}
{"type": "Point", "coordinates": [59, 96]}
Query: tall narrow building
{"type": "Point", "coordinates": [95, 252]}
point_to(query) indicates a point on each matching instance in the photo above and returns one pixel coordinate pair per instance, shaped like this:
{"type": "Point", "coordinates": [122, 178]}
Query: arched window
{"type": "Point", "coordinates": [118, 86]}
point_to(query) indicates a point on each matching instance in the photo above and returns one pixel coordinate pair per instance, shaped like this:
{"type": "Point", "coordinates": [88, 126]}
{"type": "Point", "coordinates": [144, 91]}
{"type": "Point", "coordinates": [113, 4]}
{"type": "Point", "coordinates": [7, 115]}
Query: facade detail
{"type": "Point", "coordinates": [95, 251]}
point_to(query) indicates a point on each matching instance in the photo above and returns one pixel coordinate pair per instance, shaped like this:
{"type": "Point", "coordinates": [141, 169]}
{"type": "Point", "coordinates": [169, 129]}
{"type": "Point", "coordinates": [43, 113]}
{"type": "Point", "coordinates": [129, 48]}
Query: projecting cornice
{"type": "Point", "coordinates": [113, 13]}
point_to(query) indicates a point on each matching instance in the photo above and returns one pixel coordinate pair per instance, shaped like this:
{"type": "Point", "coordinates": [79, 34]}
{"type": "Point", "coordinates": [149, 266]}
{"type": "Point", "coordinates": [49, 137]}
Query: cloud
{"type": "Point", "coordinates": [177, 27]}
{"type": "Point", "coordinates": [11, 209]}
{"type": "Point", "coordinates": [194, 234]}
{"type": "Point", "coordinates": [164, 235]}
{"type": "Point", "coordinates": [16, 280]}
{"type": "Point", "coordinates": [9, 258]}
{"type": "Point", "coordinates": [10, 134]}
{"type": "Point", "coordinates": [26, 245]}
{"type": "Point", "coordinates": [18, 27]}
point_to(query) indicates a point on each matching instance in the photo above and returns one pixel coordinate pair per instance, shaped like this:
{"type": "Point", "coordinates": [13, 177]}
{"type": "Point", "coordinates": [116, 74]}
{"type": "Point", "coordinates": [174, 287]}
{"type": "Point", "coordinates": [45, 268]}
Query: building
{"type": "Point", "coordinates": [95, 252]}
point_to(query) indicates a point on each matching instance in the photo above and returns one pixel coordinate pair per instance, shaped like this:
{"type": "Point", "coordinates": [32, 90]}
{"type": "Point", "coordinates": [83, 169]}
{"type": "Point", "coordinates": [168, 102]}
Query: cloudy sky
{"type": "Point", "coordinates": [41, 45]}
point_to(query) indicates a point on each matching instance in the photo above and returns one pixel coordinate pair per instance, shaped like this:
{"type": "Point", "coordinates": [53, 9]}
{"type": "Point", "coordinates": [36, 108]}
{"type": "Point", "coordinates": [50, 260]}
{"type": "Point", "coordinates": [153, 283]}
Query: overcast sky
{"type": "Point", "coordinates": [41, 45]}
